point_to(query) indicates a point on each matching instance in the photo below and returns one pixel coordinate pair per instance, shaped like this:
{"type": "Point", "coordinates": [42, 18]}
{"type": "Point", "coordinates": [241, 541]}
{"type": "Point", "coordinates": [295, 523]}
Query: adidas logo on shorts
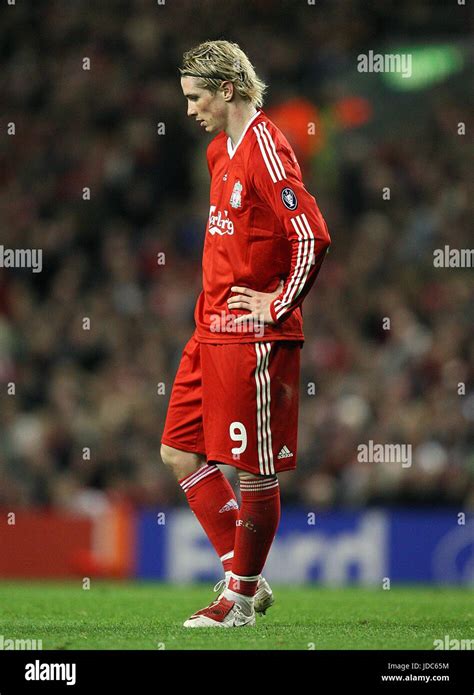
{"type": "Point", "coordinates": [285, 453]}
{"type": "Point", "coordinates": [231, 504]}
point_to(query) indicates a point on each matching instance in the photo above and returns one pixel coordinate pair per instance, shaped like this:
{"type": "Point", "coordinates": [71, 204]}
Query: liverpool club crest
{"type": "Point", "coordinates": [236, 198]}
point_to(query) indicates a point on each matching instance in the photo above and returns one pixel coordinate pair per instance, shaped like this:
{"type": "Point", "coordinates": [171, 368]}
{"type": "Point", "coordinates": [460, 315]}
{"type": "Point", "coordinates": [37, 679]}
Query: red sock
{"type": "Point", "coordinates": [214, 503]}
{"type": "Point", "coordinates": [256, 528]}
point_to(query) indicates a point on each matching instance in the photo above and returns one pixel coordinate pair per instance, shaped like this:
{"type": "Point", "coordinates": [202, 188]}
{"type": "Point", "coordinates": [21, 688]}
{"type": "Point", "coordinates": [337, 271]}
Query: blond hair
{"type": "Point", "coordinates": [216, 61]}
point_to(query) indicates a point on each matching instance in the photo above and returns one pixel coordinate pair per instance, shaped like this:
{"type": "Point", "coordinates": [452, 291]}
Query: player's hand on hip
{"type": "Point", "coordinates": [256, 303]}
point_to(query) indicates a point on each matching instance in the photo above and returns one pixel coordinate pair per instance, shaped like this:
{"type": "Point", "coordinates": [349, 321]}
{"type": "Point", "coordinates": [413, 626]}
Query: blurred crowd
{"type": "Point", "coordinates": [118, 204]}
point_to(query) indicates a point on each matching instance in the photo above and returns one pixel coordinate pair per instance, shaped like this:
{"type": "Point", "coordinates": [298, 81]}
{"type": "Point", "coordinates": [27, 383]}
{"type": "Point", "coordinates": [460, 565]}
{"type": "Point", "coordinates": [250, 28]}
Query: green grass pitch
{"type": "Point", "coordinates": [126, 615]}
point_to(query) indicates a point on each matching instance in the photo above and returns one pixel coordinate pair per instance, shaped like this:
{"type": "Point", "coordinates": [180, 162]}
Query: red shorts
{"type": "Point", "coordinates": [237, 404]}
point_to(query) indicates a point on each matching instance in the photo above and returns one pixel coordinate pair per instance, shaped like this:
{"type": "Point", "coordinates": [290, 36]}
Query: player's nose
{"type": "Point", "coordinates": [191, 111]}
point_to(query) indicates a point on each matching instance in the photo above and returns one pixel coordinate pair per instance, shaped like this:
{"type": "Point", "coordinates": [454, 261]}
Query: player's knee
{"type": "Point", "coordinates": [168, 455]}
{"type": "Point", "coordinates": [182, 463]}
{"type": "Point", "coordinates": [245, 475]}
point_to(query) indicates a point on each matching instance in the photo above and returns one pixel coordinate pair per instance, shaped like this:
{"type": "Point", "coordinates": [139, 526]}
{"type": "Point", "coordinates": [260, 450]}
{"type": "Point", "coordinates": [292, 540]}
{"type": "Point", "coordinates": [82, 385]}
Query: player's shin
{"type": "Point", "coordinates": [257, 524]}
{"type": "Point", "coordinates": [215, 506]}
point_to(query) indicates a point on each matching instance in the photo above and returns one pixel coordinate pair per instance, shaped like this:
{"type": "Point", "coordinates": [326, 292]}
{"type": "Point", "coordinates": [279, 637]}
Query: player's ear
{"type": "Point", "coordinates": [227, 90]}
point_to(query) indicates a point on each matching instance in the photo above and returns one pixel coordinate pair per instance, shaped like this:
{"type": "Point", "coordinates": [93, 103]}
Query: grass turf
{"type": "Point", "coordinates": [150, 616]}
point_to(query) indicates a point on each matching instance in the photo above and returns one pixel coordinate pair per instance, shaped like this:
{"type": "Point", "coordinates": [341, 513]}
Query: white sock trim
{"type": "Point", "coordinates": [245, 579]}
{"type": "Point", "coordinates": [257, 485]}
{"type": "Point", "coordinates": [201, 473]}
{"type": "Point", "coordinates": [227, 556]}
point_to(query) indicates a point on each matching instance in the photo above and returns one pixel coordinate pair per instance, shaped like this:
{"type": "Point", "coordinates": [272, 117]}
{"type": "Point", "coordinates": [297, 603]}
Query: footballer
{"type": "Point", "coordinates": [235, 396]}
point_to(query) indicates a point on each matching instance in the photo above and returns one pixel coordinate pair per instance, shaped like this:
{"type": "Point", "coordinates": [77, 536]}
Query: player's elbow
{"type": "Point", "coordinates": [324, 242]}
{"type": "Point", "coordinates": [322, 232]}
{"type": "Point", "coordinates": [325, 238]}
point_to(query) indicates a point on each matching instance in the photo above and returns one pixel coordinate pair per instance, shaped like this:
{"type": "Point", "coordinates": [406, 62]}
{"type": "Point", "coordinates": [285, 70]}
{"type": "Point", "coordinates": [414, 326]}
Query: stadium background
{"type": "Point", "coordinates": [82, 487]}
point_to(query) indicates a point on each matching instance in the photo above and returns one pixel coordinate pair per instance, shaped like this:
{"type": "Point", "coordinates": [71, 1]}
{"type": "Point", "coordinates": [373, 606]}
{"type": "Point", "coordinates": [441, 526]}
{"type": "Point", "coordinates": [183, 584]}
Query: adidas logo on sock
{"type": "Point", "coordinates": [285, 453]}
{"type": "Point", "coordinates": [231, 504]}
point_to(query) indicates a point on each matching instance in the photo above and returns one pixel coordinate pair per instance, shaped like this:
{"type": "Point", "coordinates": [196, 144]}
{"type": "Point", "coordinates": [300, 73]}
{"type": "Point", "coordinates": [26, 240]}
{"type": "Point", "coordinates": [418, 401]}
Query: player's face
{"type": "Point", "coordinates": [207, 108]}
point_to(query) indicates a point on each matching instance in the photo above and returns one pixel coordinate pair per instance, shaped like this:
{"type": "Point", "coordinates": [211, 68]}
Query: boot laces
{"type": "Point", "coordinates": [221, 584]}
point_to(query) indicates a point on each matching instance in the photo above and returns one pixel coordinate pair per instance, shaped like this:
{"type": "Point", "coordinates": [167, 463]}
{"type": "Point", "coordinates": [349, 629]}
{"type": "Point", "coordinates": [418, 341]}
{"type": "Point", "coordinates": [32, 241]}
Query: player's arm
{"type": "Point", "coordinates": [277, 178]}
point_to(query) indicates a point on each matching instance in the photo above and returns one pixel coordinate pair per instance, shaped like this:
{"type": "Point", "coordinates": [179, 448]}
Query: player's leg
{"type": "Point", "coordinates": [257, 525]}
{"type": "Point", "coordinates": [256, 431]}
{"type": "Point", "coordinates": [210, 497]}
{"type": "Point", "coordinates": [277, 393]}
{"type": "Point", "coordinates": [208, 492]}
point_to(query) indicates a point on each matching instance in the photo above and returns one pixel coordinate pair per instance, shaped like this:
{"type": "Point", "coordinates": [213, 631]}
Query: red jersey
{"type": "Point", "coordinates": [263, 227]}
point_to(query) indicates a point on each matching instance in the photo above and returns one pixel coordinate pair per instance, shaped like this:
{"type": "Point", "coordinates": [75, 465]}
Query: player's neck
{"type": "Point", "coordinates": [238, 119]}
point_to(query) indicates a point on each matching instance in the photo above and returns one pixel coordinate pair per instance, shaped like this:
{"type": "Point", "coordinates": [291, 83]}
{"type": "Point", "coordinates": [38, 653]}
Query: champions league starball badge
{"type": "Point", "coordinates": [289, 198]}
